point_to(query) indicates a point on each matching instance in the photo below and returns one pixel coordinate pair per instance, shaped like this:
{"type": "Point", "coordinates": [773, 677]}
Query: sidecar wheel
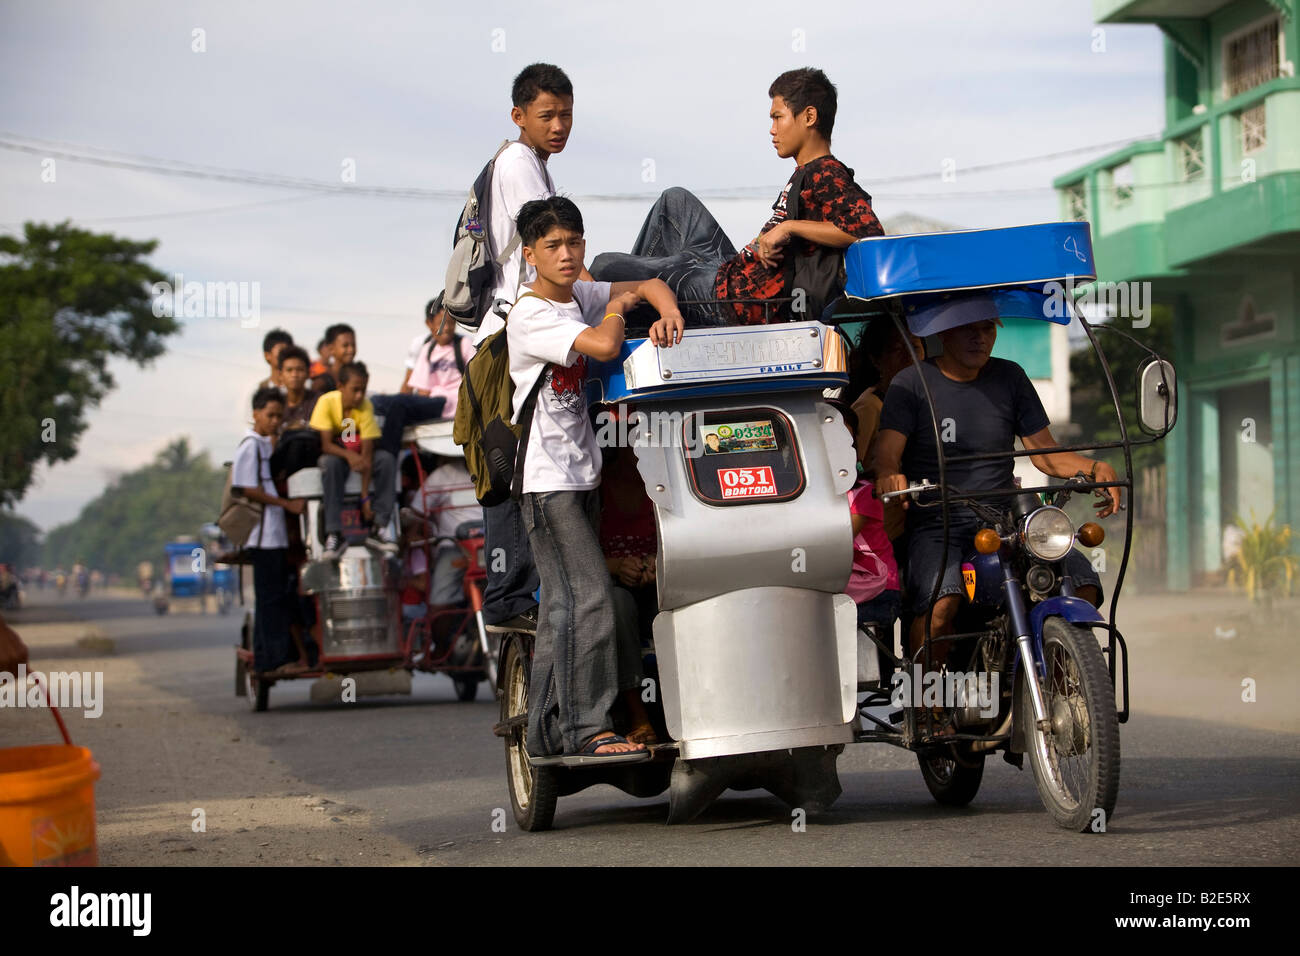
{"type": "Point", "coordinates": [951, 783]}
{"type": "Point", "coordinates": [1076, 763]}
{"type": "Point", "coordinates": [533, 790]}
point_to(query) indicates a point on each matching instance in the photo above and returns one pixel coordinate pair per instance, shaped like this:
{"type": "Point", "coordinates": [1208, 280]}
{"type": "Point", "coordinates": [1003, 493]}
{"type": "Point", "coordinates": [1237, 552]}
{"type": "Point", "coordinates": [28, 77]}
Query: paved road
{"type": "Point", "coordinates": [425, 774]}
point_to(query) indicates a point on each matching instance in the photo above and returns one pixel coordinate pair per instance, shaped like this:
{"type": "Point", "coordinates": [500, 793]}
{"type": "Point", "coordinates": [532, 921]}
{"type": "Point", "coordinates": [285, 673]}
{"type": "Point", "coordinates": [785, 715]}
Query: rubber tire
{"type": "Point", "coordinates": [161, 609]}
{"type": "Point", "coordinates": [1098, 695]}
{"type": "Point", "coordinates": [540, 785]}
{"type": "Point", "coordinates": [466, 688]}
{"type": "Point", "coordinates": [241, 679]}
{"type": "Point", "coordinates": [259, 692]}
{"type": "Point", "coordinates": [960, 784]}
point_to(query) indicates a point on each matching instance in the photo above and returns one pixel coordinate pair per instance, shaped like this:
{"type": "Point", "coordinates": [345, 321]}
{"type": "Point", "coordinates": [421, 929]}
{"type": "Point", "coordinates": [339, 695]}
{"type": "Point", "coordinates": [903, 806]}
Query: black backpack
{"type": "Point", "coordinates": [818, 275]}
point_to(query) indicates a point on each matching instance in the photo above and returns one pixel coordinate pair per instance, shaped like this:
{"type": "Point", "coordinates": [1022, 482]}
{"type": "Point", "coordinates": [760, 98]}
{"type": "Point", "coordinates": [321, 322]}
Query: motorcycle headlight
{"type": "Point", "coordinates": [1049, 534]}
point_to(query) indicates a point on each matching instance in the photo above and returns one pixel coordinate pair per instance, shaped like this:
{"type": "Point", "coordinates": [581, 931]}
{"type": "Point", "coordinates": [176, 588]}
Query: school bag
{"type": "Point", "coordinates": [458, 349]}
{"type": "Point", "coordinates": [494, 447]}
{"type": "Point", "coordinates": [239, 516]}
{"type": "Point", "coordinates": [820, 274]}
{"type": "Point", "coordinates": [472, 271]}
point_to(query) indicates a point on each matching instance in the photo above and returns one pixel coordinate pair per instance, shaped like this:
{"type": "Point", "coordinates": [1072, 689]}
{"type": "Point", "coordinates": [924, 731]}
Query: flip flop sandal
{"type": "Point", "coordinates": [588, 756]}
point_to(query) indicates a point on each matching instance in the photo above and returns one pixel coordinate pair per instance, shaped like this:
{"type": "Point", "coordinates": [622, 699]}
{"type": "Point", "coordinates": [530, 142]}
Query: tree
{"type": "Point", "coordinates": [140, 512]}
{"type": "Point", "coordinates": [19, 540]}
{"type": "Point", "coordinates": [69, 301]}
{"type": "Point", "coordinates": [1090, 400]}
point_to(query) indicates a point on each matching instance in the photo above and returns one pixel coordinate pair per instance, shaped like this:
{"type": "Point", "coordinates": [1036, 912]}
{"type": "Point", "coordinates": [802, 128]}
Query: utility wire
{"type": "Point", "coordinates": [141, 163]}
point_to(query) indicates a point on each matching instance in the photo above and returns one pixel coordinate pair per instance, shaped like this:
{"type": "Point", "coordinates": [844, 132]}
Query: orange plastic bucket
{"type": "Point", "coordinates": [47, 804]}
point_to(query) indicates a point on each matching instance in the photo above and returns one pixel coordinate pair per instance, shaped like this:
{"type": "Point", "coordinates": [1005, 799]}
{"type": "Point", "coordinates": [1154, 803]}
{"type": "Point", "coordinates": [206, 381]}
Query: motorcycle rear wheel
{"type": "Point", "coordinates": [951, 783]}
{"type": "Point", "coordinates": [1076, 764]}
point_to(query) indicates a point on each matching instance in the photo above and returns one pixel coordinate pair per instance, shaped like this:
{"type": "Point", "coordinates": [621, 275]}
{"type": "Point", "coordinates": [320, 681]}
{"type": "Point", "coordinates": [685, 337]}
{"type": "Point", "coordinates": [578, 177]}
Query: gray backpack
{"type": "Point", "coordinates": [472, 272]}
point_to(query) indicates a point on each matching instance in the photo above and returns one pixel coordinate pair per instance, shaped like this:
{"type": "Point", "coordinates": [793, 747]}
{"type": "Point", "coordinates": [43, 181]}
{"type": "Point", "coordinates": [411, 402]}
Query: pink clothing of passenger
{"type": "Point", "coordinates": [436, 373]}
{"type": "Point", "coordinates": [874, 567]}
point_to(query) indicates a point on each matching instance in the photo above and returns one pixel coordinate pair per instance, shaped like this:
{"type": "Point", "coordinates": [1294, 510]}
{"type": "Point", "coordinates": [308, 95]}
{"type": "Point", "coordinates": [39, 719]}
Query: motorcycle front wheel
{"type": "Point", "coordinates": [533, 790]}
{"type": "Point", "coordinates": [1076, 762]}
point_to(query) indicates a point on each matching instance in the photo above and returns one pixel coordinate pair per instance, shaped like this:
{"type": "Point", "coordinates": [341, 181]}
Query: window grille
{"type": "Point", "coordinates": [1122, 179]}
{"type": "Point", "coordinates": [1076, 200]}
{"type": "Point", "coordinates": [1191, 157]}
{"type": "Point", "coordinates": [1252, 58]}
{"type": "Point", "coordinates": [1254, 132]}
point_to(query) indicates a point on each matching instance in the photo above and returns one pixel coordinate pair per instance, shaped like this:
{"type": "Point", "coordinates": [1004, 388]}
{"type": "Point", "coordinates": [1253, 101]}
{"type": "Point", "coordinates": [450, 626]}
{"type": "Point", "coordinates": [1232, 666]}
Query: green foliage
{"type": "Point", "coordinates": [1265, 563]}
{"type": "Point", "coordinates": [1090, 400]}
{"type": "Point", "coordinates": [140, 512]}
{"type": "Point", "coordinates": [19, 540]}
{"type": "Point", "coordinates": [69, 301]}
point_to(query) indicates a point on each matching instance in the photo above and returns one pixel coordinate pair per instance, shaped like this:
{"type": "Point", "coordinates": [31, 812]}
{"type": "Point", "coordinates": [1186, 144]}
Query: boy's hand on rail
{"type": "Point", "coordinates": [667, 332]}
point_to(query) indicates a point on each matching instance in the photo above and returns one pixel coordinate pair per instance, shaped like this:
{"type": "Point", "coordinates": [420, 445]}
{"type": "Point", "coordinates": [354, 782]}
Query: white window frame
{"type": "Point", "coordinates": [1230, 38]}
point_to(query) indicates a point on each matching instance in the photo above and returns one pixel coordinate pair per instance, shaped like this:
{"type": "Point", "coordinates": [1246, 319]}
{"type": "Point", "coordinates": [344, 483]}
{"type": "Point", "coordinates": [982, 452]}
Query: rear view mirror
{"type": "Point", "coordinates": [1157, 397]}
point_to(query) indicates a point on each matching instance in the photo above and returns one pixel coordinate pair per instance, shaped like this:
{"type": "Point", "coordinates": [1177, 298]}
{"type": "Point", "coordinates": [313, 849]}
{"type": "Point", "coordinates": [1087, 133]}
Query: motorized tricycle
{"type": "Point", "coordinates": [761, 674]}
{"type": "Point", "coordinates": [185, 580]}
{"type": "Point", "coordinates": [355, 627]}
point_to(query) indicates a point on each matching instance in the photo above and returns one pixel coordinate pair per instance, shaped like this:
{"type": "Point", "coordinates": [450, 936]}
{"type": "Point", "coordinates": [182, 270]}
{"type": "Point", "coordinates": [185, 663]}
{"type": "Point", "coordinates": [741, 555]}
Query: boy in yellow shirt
{"type": "Point", "coordinates": [348, 433]}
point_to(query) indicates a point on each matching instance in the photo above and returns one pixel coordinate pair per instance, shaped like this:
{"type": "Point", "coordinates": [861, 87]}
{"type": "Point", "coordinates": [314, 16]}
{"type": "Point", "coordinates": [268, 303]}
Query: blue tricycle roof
{"type": "Point", "coordinates": [1013, 264]}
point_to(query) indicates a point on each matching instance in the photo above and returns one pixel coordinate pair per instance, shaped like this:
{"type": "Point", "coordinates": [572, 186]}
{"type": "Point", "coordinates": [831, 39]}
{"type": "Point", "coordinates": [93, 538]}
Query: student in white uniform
{"type": "Point", "coordinates": [542, 98]}
{"type": "Point", "coordinates": [268, 544]}
{"type": "Point", "coordinates": [557, 323]}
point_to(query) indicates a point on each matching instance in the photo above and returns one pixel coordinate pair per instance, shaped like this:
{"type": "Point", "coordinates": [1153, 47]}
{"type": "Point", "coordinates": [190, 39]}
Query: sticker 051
{"type": "Point", "coordinates": [756, 482]}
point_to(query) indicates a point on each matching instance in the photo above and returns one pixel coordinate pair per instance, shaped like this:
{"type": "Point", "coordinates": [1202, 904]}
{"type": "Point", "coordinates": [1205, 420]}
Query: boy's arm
{"type": "Point", "coordinates": [626, 295]}
{"type": "Point", "coordinates": [291, 505]}
{"type": "Point", "coordinates": [603, 342]}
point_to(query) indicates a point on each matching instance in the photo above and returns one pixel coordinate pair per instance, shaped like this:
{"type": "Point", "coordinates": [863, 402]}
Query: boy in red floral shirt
{"type": "Point", "coordinates": [683, 244]}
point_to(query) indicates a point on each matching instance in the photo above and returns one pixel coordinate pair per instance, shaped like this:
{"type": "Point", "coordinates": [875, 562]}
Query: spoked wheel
{"type": "Point", "coordinates": [533, 790]}
{"type": "Point", "coordinates": [257, 691]}
{"type": "Point", "coordinates": [952, 783]}
{"type": "Point", "coordinates": [1076, 763]}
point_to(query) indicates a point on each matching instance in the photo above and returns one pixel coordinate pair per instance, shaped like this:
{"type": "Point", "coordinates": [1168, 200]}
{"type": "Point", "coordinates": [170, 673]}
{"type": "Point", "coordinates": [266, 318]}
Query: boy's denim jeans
{"type": "Point", "coordinates": [575, 669]}
{"type": "Point", "coordinates": [334, 478]}
{"type": "Point", "coordinates": [401, 410]}
{"type": "Point", "coordinates": [681, 243]}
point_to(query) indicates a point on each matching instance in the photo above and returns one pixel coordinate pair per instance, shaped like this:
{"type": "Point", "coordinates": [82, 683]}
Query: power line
{"type": "Point", "coordinates": [100, 156]}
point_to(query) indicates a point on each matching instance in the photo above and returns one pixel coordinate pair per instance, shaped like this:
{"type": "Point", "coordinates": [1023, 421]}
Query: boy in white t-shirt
{"type": "Point", "coordinates": [542, 109]}
{"type": "Point", "coordinates": [268, 544]}
{"type": "Point", "coordinates": [557, 323]}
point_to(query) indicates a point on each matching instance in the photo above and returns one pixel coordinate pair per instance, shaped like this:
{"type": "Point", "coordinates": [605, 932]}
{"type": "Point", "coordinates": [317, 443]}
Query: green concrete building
{"type": "Point", "coordinates": [1209, 215]}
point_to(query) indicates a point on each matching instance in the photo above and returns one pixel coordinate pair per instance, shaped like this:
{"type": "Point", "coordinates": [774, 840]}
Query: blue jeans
{"type": "Point", "coordinates": [402, 410]}
{"type": "Point", "coordinates": [334, 478]}
{"type": "Point", "coordinates": [511, 575]}
{"type": "Point", "coordinates": [681, 243]}
{"type": "Point", "coordinates": [575, 671]}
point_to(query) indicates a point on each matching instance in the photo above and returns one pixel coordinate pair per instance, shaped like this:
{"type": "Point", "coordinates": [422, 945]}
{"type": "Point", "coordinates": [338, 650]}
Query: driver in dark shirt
{"type": "Point", "coordinates": [982, 404]}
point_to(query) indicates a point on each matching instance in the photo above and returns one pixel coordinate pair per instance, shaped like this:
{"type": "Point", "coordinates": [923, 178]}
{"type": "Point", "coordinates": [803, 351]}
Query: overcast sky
{"type": "Point", "coordinates": [418, 95]}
